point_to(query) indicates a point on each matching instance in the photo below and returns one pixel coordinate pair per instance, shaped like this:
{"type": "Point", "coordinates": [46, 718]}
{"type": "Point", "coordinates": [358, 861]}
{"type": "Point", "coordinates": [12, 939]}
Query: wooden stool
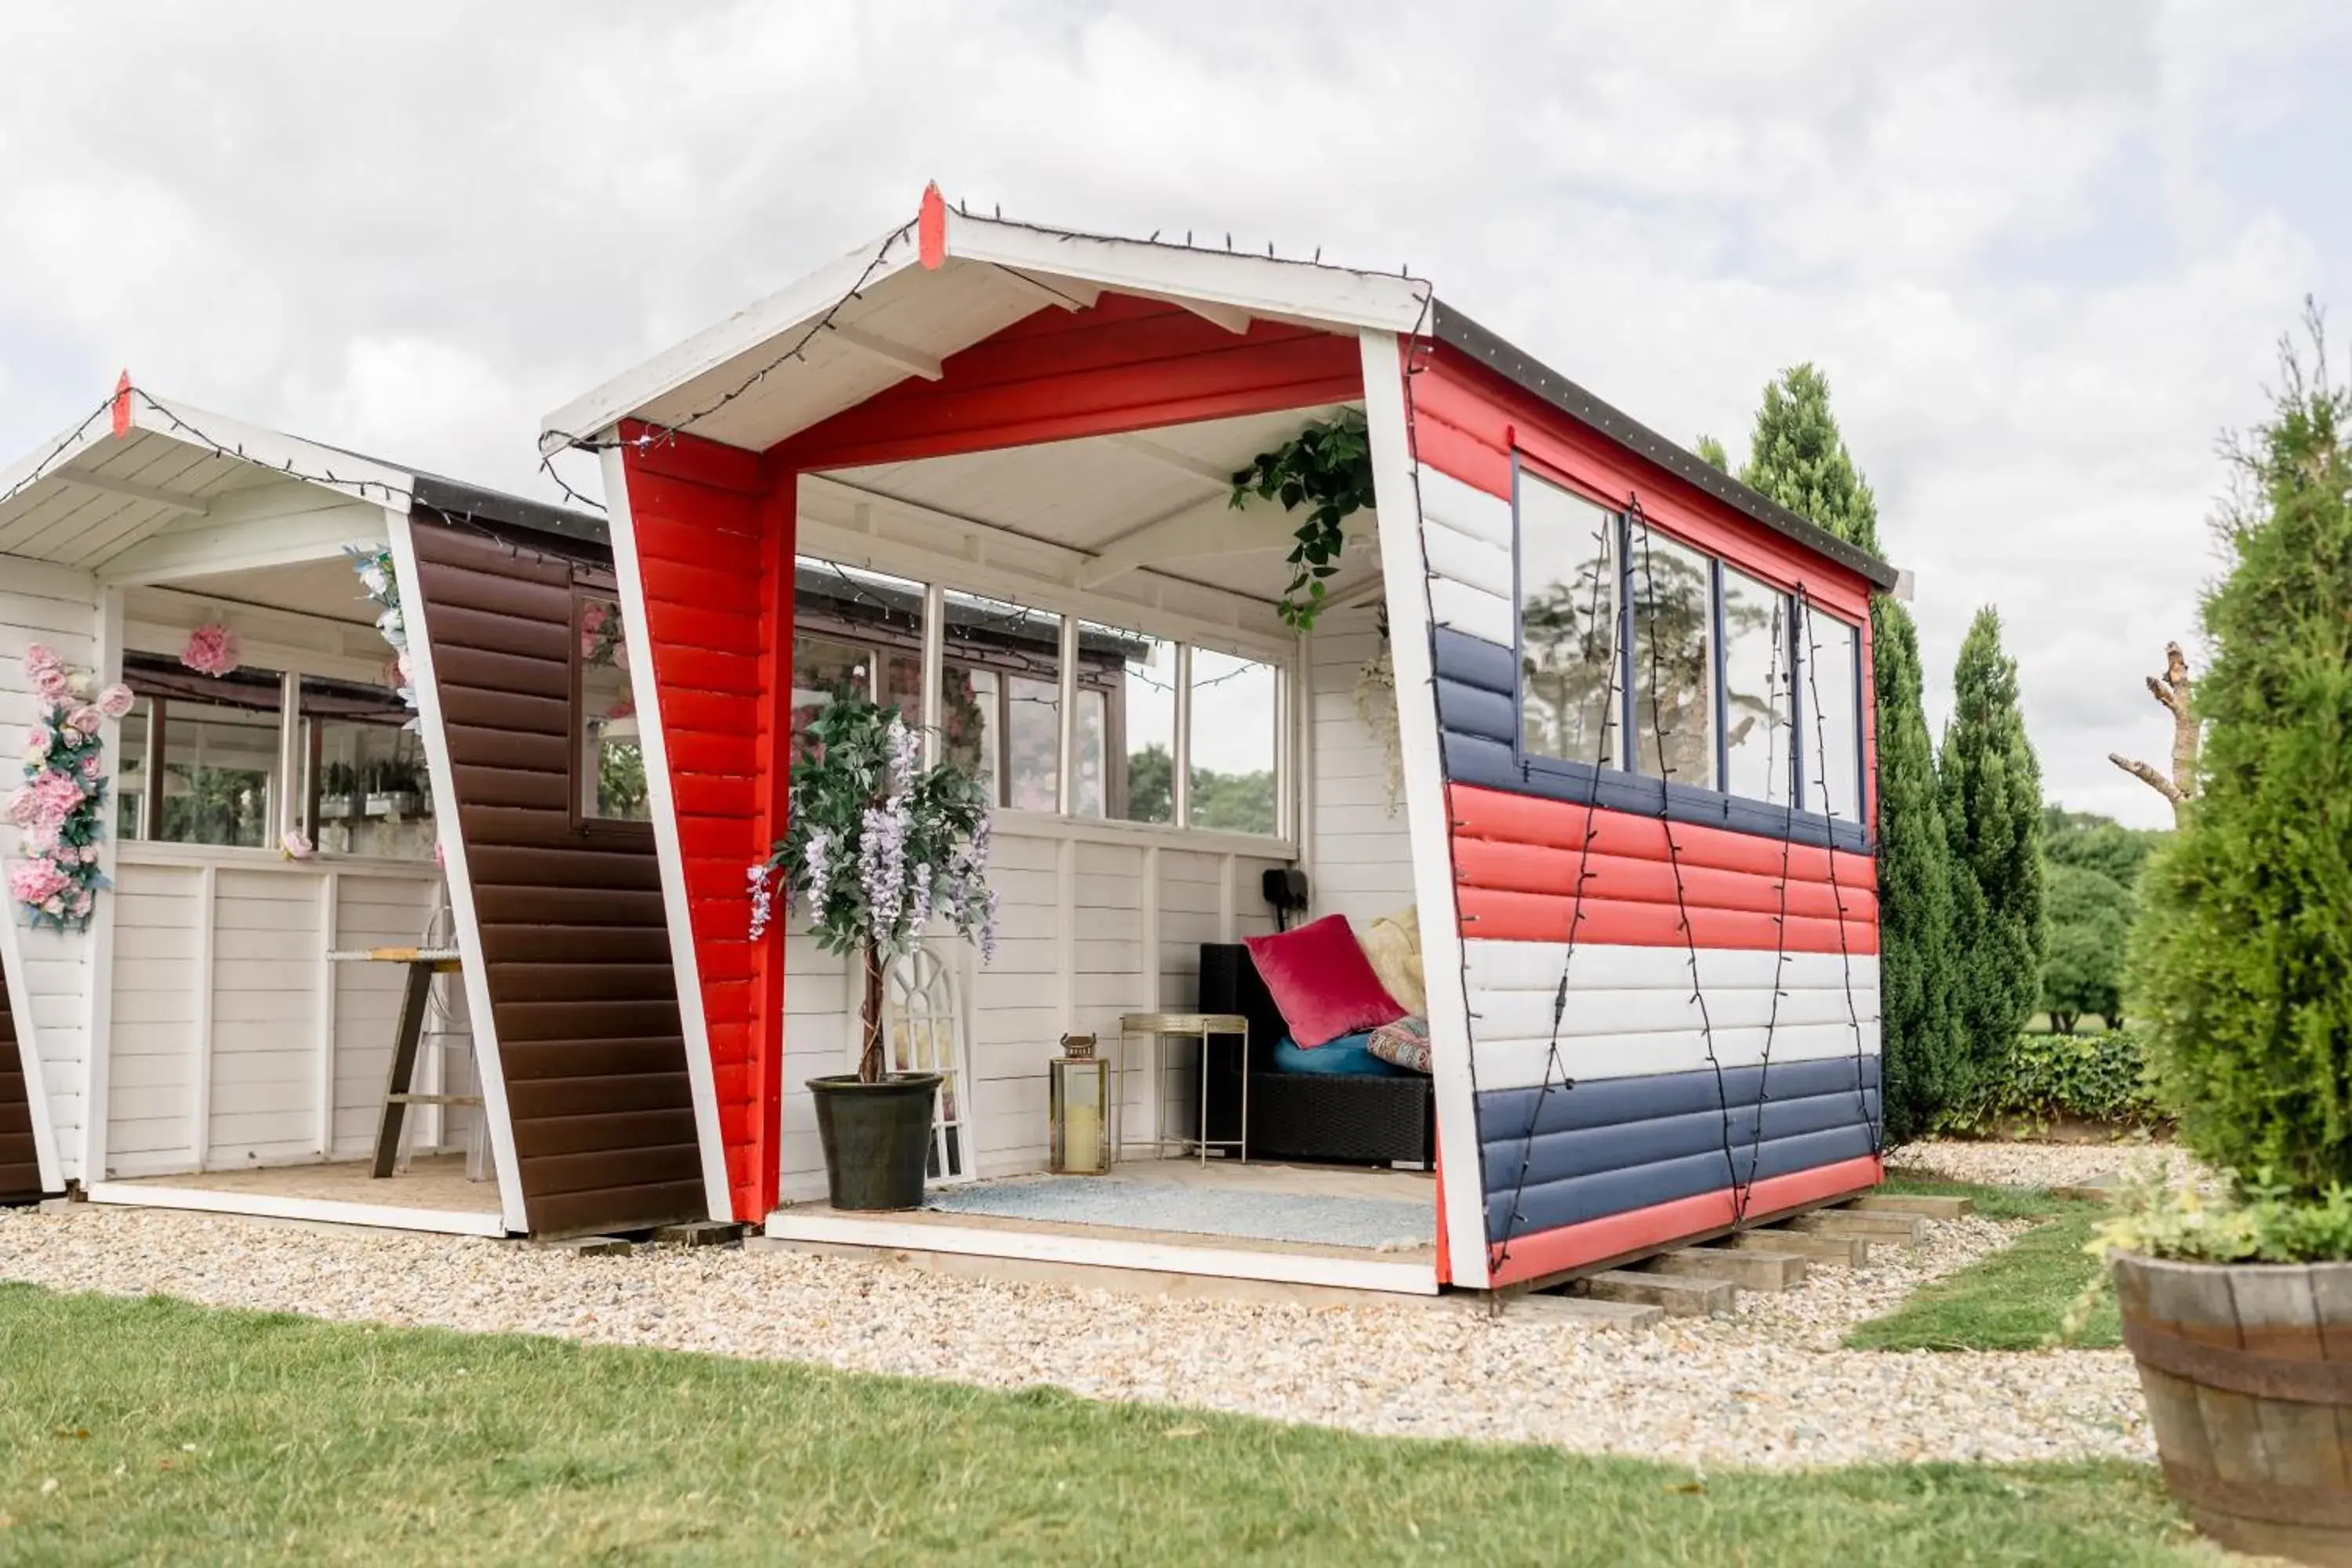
{"type": "Point", "coordinates": [1159, 1026]}
{"type": "Point", "coordinates": [423, 963]}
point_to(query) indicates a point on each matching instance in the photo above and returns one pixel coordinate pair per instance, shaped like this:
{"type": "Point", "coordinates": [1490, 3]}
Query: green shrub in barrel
{"type": "Point", "coordinates": [2238, 1305]}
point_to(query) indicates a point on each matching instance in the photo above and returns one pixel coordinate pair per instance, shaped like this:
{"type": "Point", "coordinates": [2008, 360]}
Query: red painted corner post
{"type": "Point", "coordinates": [779, 515]}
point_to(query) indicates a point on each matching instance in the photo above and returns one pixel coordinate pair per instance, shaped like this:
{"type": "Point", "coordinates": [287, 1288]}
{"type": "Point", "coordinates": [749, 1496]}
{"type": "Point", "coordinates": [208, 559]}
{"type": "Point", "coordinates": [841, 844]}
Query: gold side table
{"type": "Point", "coordinates": [1161, 1026]}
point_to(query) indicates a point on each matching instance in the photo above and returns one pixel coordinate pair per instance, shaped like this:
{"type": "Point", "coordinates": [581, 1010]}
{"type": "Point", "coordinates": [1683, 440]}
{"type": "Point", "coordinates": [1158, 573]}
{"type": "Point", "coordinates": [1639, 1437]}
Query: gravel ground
{"type": "Point", "coordinates": [1765, 1387]}
{"type": "Point", "coordinates": [2038, 1164]}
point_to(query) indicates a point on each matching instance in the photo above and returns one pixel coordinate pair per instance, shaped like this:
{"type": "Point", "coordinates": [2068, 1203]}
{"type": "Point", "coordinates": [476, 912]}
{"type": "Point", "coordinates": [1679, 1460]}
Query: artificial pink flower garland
{"type": "Point", "coordinates": [211, 650]}
{"type": "Point", "coordinates": [61, 808]}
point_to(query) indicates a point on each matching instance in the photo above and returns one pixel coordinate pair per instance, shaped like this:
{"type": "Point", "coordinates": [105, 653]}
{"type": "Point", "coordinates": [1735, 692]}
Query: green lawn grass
{"type": "Point", "coordinates": [157, 1432]}
{"type": "Point", "coordinates": [2016, 1300]}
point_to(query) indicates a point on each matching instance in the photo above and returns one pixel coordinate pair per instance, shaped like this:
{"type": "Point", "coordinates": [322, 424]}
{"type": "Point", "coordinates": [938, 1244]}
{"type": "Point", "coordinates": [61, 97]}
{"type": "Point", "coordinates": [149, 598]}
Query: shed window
{"type": "Point", "coordinates": [1673, 660]}
{"type": "Point", "coordinates": [1725, 683]}
{"type": "Point", "coordinates": [1125, 753]}
{"type": "Point", "coordinates": [1568, 625]}
{"type": "Point", "coordinates": [1234, 723]}
{"type": "Point", "coordinates": [1832, 695]}
{"type": "Point", "coordinates": [611, 776]}
{"type": "Point", "coordinates": [1758, 744]}
{"type": "Point", "coordinates": [1141, 726]}
{"type": "Point", "coordinates": [220, 776]}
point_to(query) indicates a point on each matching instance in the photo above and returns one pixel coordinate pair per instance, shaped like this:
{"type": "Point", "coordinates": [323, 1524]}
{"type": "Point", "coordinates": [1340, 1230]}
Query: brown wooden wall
{"type": "Point", "coordinates": [573, 943]}
{"type": "Point", "coordinates": [20, 1169]}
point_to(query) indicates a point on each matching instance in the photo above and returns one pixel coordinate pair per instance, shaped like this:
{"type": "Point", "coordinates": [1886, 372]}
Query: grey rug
{"type": "Point", "coordinates": [1200, 1211]}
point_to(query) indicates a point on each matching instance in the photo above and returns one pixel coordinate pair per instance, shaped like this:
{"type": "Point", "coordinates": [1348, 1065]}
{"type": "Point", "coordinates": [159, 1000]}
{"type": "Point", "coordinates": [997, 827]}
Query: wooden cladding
{"type": "Point", "coordinates": [20, 1170]}
{"type": "Point", "coordinates": [571, 937]}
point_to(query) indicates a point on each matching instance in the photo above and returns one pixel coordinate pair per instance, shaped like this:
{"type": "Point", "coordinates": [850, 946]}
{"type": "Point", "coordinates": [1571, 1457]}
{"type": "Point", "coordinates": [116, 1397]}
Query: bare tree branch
{"type": "Point", "coordinates": [2149, 776]}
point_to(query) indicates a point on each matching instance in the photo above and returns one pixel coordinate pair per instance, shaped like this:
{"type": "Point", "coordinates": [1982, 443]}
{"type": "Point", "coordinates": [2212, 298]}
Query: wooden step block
{"type": "Point", "coordinates": [1821, 1251]}
{"type": "Point", "coordinates": [589, 1245]}
{"type": "Point", "coordinates": [698, 1233]}
{"type": "Point", "coordinates": [2100, 1189]}
{"type": "Point", "coordinates": [1681, 1298]}
{"type": "Point", "coordinates": [1588, 1310]}
{"type": "Point", "coordinates": [1909, 1229]}
{"type": "Point", "coordinates": [1750, 1269]}
{"type": "Point", "coordinates": [1923, 1204]}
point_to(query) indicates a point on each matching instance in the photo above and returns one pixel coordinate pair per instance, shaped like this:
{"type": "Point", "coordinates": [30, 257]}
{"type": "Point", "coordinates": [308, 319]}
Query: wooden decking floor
{"type": "Point", "coordinates": [436, 1182]}
{"type": "Point", "coordinates": [1330, 1181]}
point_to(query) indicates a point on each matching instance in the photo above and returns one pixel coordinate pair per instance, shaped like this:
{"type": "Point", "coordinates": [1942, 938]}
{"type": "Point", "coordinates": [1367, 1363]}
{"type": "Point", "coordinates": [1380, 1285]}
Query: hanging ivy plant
{"type": "Point", "coordinates": [1326, 468]}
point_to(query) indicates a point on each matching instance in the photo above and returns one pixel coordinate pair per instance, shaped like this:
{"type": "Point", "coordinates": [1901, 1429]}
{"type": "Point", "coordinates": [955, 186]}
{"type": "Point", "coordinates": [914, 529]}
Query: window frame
{"type": "Point", "coordinates": [1108, 679]}
{"type": "Point", "coordinates": [1646, 791]}
{"type": "Point", "coordinates": [585, 823]}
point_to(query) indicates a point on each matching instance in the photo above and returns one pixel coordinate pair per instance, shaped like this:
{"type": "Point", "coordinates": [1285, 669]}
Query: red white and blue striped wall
{"type": "Point", "coordinates": [1708, 1047]}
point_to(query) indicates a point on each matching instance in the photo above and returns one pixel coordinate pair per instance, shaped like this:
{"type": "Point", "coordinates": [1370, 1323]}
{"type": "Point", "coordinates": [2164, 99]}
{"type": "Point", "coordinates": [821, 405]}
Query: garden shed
{"type": "Point", "coordinates": [1587, 712]}
{"type": "Point", "coordinates": [315, 744]}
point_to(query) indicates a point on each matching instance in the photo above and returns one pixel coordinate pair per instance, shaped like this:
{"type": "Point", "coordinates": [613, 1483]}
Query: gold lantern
{"type": "Point", "coordinates": [1077, 1102]}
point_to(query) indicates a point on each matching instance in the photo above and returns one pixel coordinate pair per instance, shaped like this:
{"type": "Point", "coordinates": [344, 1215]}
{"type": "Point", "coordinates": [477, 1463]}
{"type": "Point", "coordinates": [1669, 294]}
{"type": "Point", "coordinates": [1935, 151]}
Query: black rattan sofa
{"type": "Point", "coordinates": [1304, 1116]}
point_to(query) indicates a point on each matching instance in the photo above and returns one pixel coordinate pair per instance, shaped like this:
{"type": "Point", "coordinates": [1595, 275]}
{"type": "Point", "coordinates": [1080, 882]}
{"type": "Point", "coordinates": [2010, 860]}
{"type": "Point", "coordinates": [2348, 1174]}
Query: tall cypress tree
{"type": "Point", "coordinates": [1800, 460]}
{"type": "Point", "coordinates": [1993, 811]}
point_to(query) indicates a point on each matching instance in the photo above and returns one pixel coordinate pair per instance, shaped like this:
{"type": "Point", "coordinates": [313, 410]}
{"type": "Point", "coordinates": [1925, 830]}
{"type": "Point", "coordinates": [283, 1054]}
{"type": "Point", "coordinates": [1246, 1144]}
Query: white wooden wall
{"type": "Point", "coordinates": [1095, 921]}
{"type": "Point", "coordinates": [233, 1043]}
{"type": "Point", "coordinates": [56, 605]}
{"type": "Point", "coordinates": [1359, 853]}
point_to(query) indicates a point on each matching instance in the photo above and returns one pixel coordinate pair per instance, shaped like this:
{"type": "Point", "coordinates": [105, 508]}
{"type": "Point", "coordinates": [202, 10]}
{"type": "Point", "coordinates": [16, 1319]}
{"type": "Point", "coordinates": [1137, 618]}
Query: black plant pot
{"type": "Point", "coordinates": [877, 1138]}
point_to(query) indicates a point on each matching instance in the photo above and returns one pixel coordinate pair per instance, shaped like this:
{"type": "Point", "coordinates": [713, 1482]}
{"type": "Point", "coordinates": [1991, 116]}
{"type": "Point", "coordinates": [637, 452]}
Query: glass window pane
{"type": "Point", "coordinates": [1673, 668]}
{"type": "Point", "coordinates": [131, 771]}
{"type": "Point", "coordinates": [366, 787]}
{"type": "Point", "coordinates": [1032, 736]}
{"type": "Point", "coordinates": [1757, 688]}
{"type": "Point", "coordinates": [612, 762]}
{"type": "Point", "coordinates": [1231, 762]}
{"type": "Point", "coordinates": [1568, 625]}
{"type": "Point", "coordinates": [221, 779]}
{"type": "Point", "coordinates": [1092, 781]}
{"type": "Point", "coordinates": [822, 670]}
{"type": "Point", "coordinates": [1003, 675]}
{"type": "Point", "coordinates": [1137, 676]}
{"type": "Point", "coordinates": [971, 714]}
{"type": "Point", "coordinates": [1833, 724]}
{"type": "Point", "coordinates": [854, 622]}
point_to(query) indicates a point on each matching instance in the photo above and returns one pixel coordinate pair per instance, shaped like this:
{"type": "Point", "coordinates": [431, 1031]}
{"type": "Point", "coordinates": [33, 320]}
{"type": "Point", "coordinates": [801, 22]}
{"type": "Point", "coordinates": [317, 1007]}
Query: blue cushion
{"type": "Point", "coordinates": [1346, 1057]}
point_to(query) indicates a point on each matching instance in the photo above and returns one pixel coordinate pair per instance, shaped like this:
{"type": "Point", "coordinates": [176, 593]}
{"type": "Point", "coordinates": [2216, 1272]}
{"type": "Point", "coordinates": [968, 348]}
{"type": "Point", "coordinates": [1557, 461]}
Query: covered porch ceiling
{"type": "Point", "coordinates": [1106, 513]}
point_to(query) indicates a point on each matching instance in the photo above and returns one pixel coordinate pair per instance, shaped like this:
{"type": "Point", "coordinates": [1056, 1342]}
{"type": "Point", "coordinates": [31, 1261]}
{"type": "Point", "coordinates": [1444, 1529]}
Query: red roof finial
{"type": "Point", "coordinates": [123, 406]}
{"type": "Point", "coordinates": [932, 228]}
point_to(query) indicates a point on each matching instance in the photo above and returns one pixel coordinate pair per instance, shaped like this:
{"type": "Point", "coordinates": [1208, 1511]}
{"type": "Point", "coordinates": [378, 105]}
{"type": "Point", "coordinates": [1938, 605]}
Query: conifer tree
{"type": "Point", "coordinates": [2243, 957]}
{"type": "Point", "coordinates": [1992, 810]}
{"type": "Point", "coordinates": [1800, 459]}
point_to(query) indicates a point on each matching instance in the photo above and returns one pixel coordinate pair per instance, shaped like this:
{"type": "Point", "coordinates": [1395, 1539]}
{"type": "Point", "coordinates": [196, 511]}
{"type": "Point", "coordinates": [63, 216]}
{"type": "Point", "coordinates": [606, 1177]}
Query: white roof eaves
{"type": "Point", "coordinates": [1304, 290]}
{"type": "Point", "coordinates": [268, 450]}
{"type": "Point", "coordinates": [788, 309]}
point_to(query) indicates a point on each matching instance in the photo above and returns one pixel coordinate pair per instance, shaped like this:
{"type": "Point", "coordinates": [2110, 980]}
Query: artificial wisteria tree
{"type": "Point", "coordinates": [877, 847]}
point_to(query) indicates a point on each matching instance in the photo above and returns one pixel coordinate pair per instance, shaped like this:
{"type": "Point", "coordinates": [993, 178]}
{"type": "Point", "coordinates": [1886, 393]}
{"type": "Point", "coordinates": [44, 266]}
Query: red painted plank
{"type": "Point", "coordinates": [1510, 818]}
{"type": "Point", "coordinates": [1127, 365]}
{"type": "Point", "coordinates": [1662, 1225]}
{"type": "Point", "coordinates": [1540, 917]}
{"type": "Point", "coordinates": [707, 584]}
{"type": "Point", "coordinates": [1527, 868]}
{"type": "Point", "coordinates": [678, 455]}
{"type": "Point", "coordinates": [1468, 419]}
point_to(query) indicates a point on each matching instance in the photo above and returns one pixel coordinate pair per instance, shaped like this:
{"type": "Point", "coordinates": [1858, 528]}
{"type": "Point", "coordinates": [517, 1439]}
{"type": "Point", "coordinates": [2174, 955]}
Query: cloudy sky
{"type": "Point", "coordinates": [2042, 251]}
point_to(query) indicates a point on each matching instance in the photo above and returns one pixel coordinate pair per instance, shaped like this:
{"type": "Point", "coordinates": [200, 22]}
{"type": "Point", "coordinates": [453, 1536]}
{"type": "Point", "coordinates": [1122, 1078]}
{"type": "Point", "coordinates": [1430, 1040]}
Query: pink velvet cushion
{"type": "Point", "coordinates": [1321, 982]}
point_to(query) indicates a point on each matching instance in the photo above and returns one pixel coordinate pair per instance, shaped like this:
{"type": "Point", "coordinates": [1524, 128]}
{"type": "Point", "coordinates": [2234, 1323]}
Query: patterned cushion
{"type": "Point", "coordinates": [1404, 1043]}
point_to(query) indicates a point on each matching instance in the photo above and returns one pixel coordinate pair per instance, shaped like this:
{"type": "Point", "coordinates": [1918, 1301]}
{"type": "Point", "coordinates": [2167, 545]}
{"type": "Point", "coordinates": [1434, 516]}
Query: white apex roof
{"type": "Point", "coordinates": [140, 464]}
{"type": "Point", "coordinates": [937, 284]}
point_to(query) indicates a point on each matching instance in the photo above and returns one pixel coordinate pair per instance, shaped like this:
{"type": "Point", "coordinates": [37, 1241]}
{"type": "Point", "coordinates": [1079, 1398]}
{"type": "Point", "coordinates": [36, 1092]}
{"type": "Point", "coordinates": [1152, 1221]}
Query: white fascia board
{"type": "Point", "coordinates": [790, 309]}
{"type": "Point", "coordinates": [1258, 285]}
{"type": "Point", "coordinates": [265, 449]}
{"type": "Point", "coordinates": [339, 473]}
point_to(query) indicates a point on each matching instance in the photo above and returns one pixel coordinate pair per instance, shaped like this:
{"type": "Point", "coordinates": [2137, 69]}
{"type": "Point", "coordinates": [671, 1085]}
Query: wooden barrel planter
{"type": "Point", "coordinates": [2248, 1373]}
